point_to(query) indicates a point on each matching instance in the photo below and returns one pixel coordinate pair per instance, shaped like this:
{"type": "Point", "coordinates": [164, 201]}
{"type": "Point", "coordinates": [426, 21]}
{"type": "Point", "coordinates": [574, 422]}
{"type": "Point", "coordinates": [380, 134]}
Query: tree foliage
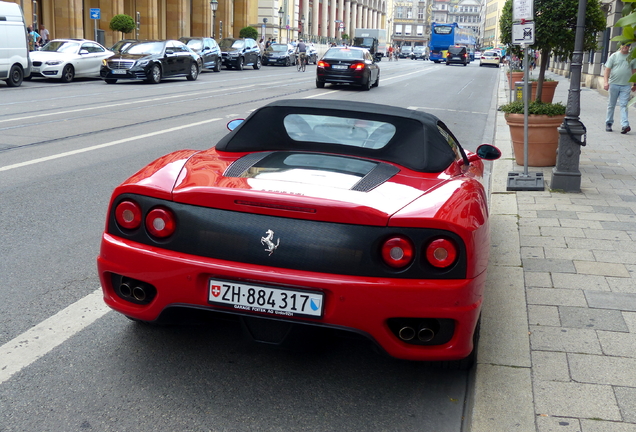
{"type": "Point", "coordinates": [555, 29]}
{"type": "Point", "coordinates": [628, 22]}
{"type": "Point", "coordinates": [248, 32]}
{"type": "Point", "coordinates": [122, 23]}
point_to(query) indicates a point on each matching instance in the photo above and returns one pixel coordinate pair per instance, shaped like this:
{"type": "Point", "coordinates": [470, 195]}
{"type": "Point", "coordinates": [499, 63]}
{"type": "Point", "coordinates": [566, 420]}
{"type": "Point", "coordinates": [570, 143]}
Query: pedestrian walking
{"type": "Point", "coordinates": [44, 34]}
{"type": "Point", "coordinates": [618, 70]}
{"type": "Point", "coordinates": [34, 39]}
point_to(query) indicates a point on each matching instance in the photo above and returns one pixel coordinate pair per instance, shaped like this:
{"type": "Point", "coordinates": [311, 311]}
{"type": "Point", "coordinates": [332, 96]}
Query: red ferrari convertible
{"type": "Point", "coordinates": [351, 216]}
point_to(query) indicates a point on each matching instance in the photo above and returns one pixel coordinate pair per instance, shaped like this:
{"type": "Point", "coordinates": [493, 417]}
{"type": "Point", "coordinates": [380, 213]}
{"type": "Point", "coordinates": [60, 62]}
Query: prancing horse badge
{"type": "Point", "coordinates": [267, 241]}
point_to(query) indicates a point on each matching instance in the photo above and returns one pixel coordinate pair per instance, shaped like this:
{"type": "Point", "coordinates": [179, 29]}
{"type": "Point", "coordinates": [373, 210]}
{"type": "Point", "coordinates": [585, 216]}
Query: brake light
{"type": "Point", "coordinates": [357, 66]}
{"type": "Point", "coordinates": [323, 64]}
{"type": "Point", "coordinates": [161, 222]}
{"type": "Point", "coordinates": [441, 253]}
{"type": "Point", "coordinates": [128, 215]}
{"type": "Point", "coordinates": [398, 252]}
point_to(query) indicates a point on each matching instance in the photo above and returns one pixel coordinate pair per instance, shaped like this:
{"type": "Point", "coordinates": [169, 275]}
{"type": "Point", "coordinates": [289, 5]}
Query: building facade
{"type": "Point", "coordinates": [171, 19]}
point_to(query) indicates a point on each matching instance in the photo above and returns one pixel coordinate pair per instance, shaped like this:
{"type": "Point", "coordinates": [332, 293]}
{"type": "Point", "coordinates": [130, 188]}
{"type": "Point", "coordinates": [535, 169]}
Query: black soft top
{"type": "Point", "coordinates": [421, 142]}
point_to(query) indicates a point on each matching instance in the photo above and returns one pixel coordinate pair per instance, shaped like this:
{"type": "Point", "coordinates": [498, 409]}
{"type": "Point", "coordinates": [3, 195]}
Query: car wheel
{"type": "Point", "coordinates": [287, 62]}
{"type": "Point", "coordinates": [16, 75]}
{"type": "Point", "coordinates": [320, 84]}
{"type": "Point", "coordinates": [194, 72]}
{"type": "Point", "coordinates": [239, 64]}
{"type": "Point", "coordinates": [110, 81]}
{"type": "Point", "coordinates": [367, 86]}
{"type": "Point", "coordinates": [257, 65]}
{"type": "Point", "coordinates": [217, 66]}
{"type": "Point", "coordinates": [68, 73]}
{"type": "Point", "coordinates": [377, 81]}
{"type": "Point", "coordinates": [155, 75]}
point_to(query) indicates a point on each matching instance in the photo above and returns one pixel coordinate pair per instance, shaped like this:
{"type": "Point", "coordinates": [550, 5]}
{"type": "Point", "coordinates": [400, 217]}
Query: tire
{"type": "Point", "coordinates": [16, 75]}
{"type": "Point", "coordinates": [68, 73]}
{"type": "Point", "coordinates": [155, 75]}
{"type": "Point", "coordinates": [217, 66]}
{"type": "Point", "coordinates": [110, 81]}
{"type": "Point", "coordinates": [377, 81]}
{"type": "Point", "coordinates": [367, 86]}
{"type": "Point", "coordinates": [257, 65]}
{"type": "Point", "coordinates": [194, 72]}
{"type": "Point", "coordinates": [287, 62]}
{"type": "Point", "coordinates": [320, 84]}
{"type": "Point", "coordinates": [239, 64]}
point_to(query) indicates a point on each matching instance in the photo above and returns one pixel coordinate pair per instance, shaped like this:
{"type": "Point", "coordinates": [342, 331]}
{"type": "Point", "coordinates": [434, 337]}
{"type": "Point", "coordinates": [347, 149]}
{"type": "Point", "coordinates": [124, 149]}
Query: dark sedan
{"type": "Point", "coordinates": [208, 50]}
{"type": "Point", "coordinates": [238, 53]}
{"type": "Point", "coordinates": [279, 54]}
{"type": "Point", "coordinates": [342, 65]}
{"type": "Point", "coordinates": [152, 61]}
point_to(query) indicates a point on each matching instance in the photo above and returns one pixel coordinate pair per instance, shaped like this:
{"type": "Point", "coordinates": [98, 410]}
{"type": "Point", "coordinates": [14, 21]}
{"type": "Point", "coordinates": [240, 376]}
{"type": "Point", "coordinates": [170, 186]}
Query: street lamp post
{"type": "Point", "coordinates": [214, 5]}
{"type": "Point", "coordinates": [566, 175]}
{"type": "Point", "coordinates": [280, 24]}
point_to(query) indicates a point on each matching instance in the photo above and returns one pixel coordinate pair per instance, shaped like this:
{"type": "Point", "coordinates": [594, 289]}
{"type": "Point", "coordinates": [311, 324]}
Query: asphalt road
{"type": "Point", "coordinates": [69, 364]}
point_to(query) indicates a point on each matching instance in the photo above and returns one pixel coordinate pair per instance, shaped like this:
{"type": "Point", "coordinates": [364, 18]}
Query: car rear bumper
{"type": "Point", "coordinates": [361, 305]}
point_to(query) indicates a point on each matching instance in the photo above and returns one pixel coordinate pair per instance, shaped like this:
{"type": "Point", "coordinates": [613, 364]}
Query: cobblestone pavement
{"type": "Point", "coordinates": [558, 345]}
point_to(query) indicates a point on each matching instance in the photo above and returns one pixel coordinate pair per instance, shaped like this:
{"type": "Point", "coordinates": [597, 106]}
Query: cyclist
{"type": "Point", "coordinates": [301, 51]}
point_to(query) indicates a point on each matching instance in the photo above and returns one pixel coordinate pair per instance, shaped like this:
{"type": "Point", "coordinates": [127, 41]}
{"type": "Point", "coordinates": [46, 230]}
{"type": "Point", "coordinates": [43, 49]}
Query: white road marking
{"type": "Point", "coordinates": [36, 342]}
{"type": "Point", "coordinates": [320, 94]}
{"type": "Point", "coordinates": [101, 146]}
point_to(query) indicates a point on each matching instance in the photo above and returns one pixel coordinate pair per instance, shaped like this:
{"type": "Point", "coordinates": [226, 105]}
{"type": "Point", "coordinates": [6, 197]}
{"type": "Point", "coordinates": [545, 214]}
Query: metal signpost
{"type": "Point", "coordinates": [523, 34]}
{"type": "Point", "coordinates": [95, 15]}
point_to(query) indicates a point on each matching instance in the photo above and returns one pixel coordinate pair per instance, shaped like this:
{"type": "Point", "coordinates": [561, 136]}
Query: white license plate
{"type": "Point", "coordinates": [339, 66]}
{"type": "Point", "coordinates": [273, 301]}
{"type": "Point", "coordinates": [119, 72]}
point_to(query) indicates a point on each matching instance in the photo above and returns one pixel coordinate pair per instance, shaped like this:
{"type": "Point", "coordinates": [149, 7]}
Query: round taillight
{"type": "Point", "coordinates": [128, 215]}
{"type": "Point", "coordinates": [398, 252]}
{"type": "Point", "coordinates": [441, 253]}
{"type": "Point", "coordinates": [160, 222]}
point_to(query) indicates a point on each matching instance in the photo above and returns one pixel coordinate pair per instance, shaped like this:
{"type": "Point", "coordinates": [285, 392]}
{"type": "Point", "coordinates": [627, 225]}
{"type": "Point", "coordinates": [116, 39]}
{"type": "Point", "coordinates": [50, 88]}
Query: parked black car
{"type": "Point", "coordinates": [151, 61]}
{"type": "Point", "coordinates": [351, 65]}
{"type": "Point", "coordinates": [419, 52]}
{"type": "Point", "coordinates": [208, 50]}
{"type": "Point", "coordinates": [279, 54]}
{"type": "Point", "coordinates": [405, 51]}
{"type": "Point", "coordinates": [457, 54]}
{"type": "Point", "coordinates": [238, 53]}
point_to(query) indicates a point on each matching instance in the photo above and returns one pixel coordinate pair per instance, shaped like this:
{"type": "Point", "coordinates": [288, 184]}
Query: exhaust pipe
{"type": "Point", "coordinates": [125, 289]}
{"type": "Point", "coordinates": [139, 293]}
{"type": "Point", "coordinates": [425, 334]}
{"type": "Point", "coordinates": [406, 333]}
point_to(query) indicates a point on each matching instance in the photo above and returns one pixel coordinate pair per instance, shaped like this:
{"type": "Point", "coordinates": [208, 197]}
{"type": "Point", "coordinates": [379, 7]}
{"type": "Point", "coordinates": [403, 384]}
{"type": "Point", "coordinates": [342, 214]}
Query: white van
{"type": "Point", "coordinates": [14, 52]}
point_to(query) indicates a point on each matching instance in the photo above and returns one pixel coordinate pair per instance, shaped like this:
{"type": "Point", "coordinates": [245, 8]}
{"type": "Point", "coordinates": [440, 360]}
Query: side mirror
{"type": "Point", "coordinates": [83, 51]}
{"type": "Point", "coordinates": [233, 124]}
{"type": "Point", "coordinates": [488, 152]}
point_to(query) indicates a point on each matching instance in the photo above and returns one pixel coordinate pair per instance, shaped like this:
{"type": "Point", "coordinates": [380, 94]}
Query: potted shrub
{"type": "Point", "coordinates": [514, 76]}
{"type": "Point", "coordinates": [544, 120]}
{"type": "Point", "coordinates": [555, 29]}
{"type": "Point", "coordinates": [549, 87]}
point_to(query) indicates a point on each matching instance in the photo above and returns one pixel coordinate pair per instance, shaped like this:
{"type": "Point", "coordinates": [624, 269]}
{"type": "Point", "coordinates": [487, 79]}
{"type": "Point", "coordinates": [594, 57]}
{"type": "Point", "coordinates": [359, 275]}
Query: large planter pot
{"type": "Point", "coordinates": [516, 76]}
{"type": "Point", "coordinates": [543, 138]}
{"type": "Point", "coordinates": [547, 94]}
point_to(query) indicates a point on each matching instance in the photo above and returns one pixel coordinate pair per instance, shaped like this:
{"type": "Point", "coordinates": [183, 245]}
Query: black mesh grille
{"type": "Point", "coordinates": [302, 244]}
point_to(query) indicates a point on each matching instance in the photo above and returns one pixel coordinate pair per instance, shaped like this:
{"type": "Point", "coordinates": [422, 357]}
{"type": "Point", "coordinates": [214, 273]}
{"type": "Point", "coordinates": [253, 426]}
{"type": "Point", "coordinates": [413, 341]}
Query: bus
{"type": "Point", "coordinates": [445, 35]}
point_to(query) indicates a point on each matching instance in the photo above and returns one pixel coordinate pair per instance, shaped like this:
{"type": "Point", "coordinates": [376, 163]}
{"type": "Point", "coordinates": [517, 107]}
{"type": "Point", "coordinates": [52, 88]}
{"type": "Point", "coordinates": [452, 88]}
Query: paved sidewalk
{"type": "Point", "coordinates": [558, 340]}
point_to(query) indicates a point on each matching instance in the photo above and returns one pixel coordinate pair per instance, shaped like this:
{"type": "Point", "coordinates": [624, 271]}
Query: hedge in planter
{"type": "Point", "coordinates": [544, 120]}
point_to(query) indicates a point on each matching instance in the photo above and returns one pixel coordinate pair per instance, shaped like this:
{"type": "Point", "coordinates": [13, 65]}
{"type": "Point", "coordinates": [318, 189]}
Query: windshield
{"type": "Point", "coordinates": [277, 48]}
{"type": "Point", "coordinates": [344, 54]}
{"type": "Point", "coordinates": [232, 43]}
{"type": "Point", "coordinates": [145, 48]}
{"type": "Point", "coordinates": [195, 44]}
{"type": "Point", "coordinates": [418, 49]}
{"type": "Point", "coordinates": [456, 50]}
{"type": "Point", "coordinates": [61, 47]}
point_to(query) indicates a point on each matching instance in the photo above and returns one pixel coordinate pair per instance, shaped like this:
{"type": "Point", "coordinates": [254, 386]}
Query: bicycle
{"type": "Point", "coordinates": [301, 62]}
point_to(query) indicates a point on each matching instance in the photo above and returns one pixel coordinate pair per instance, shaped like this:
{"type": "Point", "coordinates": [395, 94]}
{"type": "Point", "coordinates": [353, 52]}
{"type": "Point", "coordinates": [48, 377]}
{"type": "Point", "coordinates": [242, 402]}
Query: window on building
{"type": "Point", "coordinates": [398, 29]}
{"type": "Point", "coordinates": [420, 30]}
{"type": "Point", "coordinates": [420, 13]}
{"type": "Point", "coordinates": [407, 30]}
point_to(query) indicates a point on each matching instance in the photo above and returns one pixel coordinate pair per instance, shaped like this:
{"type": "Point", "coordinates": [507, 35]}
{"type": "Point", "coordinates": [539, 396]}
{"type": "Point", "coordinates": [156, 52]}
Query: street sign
{"type": "Point", "coordinates": [96, 13]}
{"type": "Point", "coordinates": [522, 10]}
{"type": "Point", "coordinates": [523, 34]}
{"type": "Point", "coordinates": [341, 25]}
